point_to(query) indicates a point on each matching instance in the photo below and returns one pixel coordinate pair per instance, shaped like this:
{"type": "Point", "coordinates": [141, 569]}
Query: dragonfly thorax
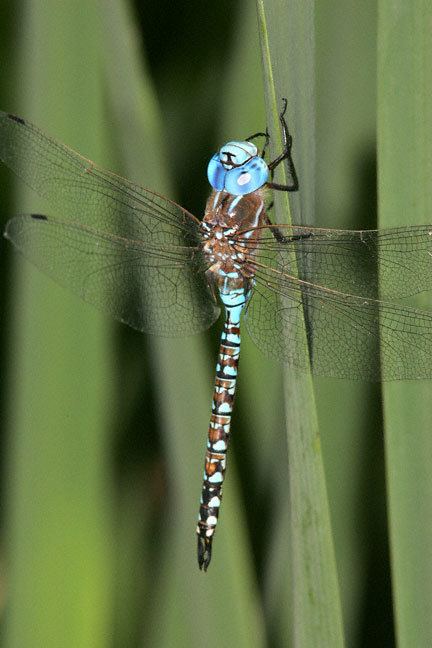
{"type": "Point", "coordinates": [229, 235]}
{"type": "Point", "coordinates": [219, 248]}
{"type": "Point", "coordinates": [237, 168]}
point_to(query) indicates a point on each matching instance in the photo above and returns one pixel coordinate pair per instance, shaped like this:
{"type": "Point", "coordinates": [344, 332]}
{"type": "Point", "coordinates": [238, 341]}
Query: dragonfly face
{"type": "Point", "coordinates": [237, 169]}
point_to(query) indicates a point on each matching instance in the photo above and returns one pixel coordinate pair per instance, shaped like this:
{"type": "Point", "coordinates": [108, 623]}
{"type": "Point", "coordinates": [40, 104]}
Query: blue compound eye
{"type": "Point", "coordinates": [216, 173]}
{"type": "Point", "coordinates": [247, 178]}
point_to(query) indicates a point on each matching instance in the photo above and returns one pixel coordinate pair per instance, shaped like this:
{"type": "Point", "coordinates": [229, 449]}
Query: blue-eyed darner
{"type": "Point", "coordinates": [156, 267]}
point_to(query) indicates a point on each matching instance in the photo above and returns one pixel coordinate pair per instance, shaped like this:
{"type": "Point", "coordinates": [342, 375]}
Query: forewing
{"type": "Point", "coordinates": [88, 194]}
{"type": "Point", "coordinates": [386, 263]}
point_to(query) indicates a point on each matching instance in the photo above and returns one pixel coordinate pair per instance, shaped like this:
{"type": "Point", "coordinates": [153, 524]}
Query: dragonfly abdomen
{"type": "Point", "coordinates": [219, 428]}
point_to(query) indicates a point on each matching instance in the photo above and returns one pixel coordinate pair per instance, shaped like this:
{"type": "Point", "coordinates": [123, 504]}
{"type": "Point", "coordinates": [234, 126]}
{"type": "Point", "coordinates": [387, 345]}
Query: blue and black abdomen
{"type": "Point", "coordinates": [234, 298]}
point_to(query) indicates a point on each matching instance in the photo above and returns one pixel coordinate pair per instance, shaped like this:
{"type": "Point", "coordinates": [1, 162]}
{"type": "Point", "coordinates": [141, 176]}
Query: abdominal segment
{"type": "Point", "coordinates": [218, 438]}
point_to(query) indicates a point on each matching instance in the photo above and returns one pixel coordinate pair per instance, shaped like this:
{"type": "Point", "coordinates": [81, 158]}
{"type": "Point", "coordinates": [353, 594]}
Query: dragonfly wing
{"type": "Point", "coordinates": [152, 289]}
{"type": "Point", "coordinates": [88, 194]}
{"type": "Point", "coordinates": [347, 336]}
{"type": "Point", "coordinates": [370, 263]}
{"type": "Point", "coordinates": [127, 250]}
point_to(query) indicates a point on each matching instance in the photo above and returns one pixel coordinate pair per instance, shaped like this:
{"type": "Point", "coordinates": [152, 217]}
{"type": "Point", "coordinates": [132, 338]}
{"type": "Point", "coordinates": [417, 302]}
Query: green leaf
{"type": "Point", "coordinates": [61, 396]}
{"type": "Point", "coordinates": [349, 412]}
{"type": "Point", "coordinates": [286, 30]}
{"type": "Point", "coordinates": [405, 197]}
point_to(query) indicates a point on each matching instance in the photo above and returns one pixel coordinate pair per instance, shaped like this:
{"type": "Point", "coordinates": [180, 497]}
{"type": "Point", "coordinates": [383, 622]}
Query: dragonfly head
{"type": "Point", "coordinates": [237, 168]}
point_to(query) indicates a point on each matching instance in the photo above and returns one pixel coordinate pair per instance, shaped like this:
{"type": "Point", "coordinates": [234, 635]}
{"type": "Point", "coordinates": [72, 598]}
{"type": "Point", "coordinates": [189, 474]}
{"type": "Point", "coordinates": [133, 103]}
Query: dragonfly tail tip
{"type": "Point", "coordinates": [204, 553]}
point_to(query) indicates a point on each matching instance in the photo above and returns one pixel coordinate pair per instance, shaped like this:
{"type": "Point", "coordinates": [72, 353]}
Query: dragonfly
{"type": "Point", "coordinates": [320, 300]}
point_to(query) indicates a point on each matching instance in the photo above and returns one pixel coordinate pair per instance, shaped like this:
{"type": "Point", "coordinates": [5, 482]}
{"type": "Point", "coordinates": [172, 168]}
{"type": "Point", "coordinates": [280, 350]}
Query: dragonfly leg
{"type": "Point", "coordinates": [285, 155]}
{"type": "Point", "coordinates": [281, 238]}
{"type": "Point", "coordinates": [211, 284]}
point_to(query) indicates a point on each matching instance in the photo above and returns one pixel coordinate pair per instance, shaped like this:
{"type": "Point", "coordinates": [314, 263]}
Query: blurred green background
{"type": "Point", "coordinates": [103, 429]}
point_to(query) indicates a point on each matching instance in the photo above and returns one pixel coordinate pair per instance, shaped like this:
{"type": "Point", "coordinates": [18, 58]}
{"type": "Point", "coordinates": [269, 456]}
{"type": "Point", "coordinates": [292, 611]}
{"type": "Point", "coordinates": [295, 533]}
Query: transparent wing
{"type": "Point", "coordinates": [111, 230]}
{"type": "Point", "coordinates": [348, 336]}
{"type": "Point", "coordinates": [149, 289]}
{"type": "Point", "coordinates": [88, 194]}
{"type": "Point", "coordinates": [347, 260]}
